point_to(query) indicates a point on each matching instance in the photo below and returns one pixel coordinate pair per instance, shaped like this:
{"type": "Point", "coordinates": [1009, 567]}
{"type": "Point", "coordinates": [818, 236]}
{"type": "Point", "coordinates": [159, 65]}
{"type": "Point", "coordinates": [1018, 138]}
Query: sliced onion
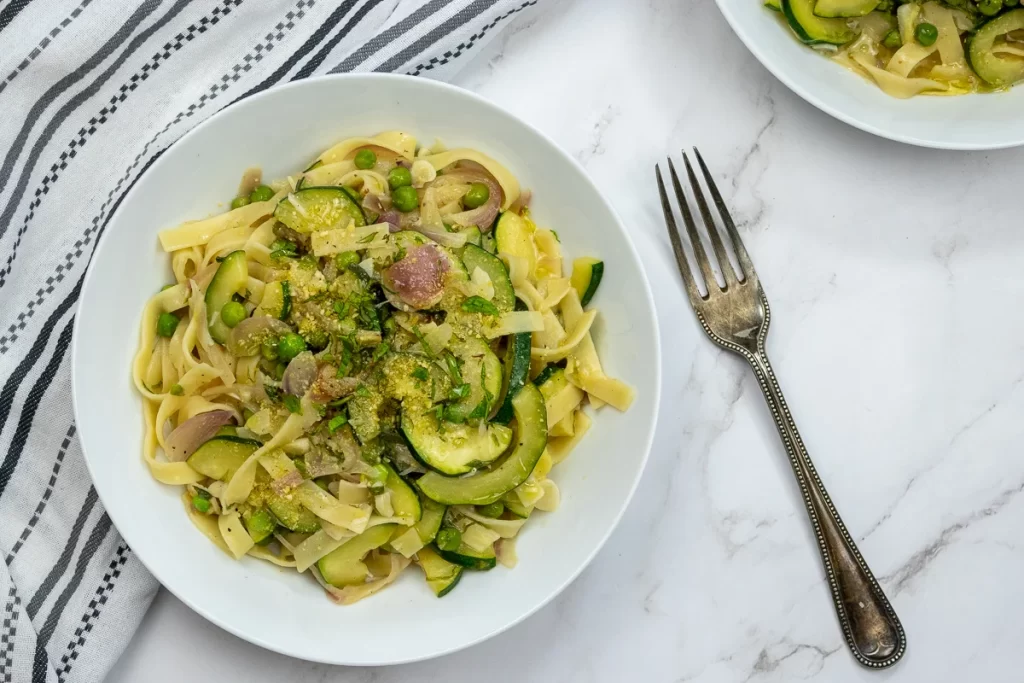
{"type": "Point", "coordinates": [392, 218]}
{"type": "Point", "coordinates": [248, 336]}
{"type": "Point", "coordinates": [470, 172]}
{"type": "Point", "coordinates": [194, 432]}
{"type": "Point", "coordinates": [329, 387]}
{"type": "Point", "coordinates": [376, 203]}
{"type": "Point", "coordinates": [453, 240]}
{"type": "Point", "coordinates": [300, 374]}
{"type": "Point", "coordinates": [523, 202]}
{"type": "Point", "coordinates": [430, 223]}
{"type": "Point", "coordinates": [418, 279]}
{"type": "Point", "coordinates": [289, 481]}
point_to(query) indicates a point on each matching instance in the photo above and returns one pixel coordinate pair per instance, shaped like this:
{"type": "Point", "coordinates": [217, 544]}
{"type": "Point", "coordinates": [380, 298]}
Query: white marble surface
{"type": "Point", "coordinates": [894, 276]}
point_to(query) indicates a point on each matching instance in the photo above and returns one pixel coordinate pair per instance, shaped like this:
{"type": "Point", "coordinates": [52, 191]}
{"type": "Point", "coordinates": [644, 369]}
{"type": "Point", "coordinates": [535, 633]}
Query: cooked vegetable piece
{"type": "Point", "coordinates": [344, 566]}
{"type": "Point", "coordinates": [454, 448]}
{"type": "Point", "coordinates": [220, 457]}
{"type": "Point", "coordinates": [586, 277]}
{"type": "Point", "coordinates": [442, 575]}
{"type": "Point", "coordinates": [232, 277]}
{"type": "Point", "coordinates": [313, 209]}
{"type": "Point", "coordinates": [811, 28]}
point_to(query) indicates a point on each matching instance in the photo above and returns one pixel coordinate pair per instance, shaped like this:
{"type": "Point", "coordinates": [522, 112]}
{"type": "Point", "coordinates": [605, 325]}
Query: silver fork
{"type": "Point", "coordinates": [736, 317]}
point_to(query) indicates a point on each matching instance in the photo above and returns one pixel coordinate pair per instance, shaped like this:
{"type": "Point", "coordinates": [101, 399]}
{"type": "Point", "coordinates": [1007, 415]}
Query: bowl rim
{"type": "Point", "coordinates": [810, 97]}
{"type": "Point", "coordinates": [650, 428]}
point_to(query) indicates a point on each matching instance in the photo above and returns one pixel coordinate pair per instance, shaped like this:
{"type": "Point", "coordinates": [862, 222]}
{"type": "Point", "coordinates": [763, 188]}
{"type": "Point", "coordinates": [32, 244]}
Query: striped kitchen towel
{"type": "Point", "coordinates": [91, 93]}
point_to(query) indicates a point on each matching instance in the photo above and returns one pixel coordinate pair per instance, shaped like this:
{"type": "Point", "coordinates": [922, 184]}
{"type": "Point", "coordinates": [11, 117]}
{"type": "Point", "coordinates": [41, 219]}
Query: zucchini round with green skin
{"type": "Point", "coordinates": [442, 575]}
{"type": "Point", "coordinates": [586, 277]}
{"type": "Point", "coordinates": [481, 370]}
{"type": "Point", "coordinates": [483, 488]}
{"type": "Point", "coordinates": [473, 235]}
{"type": "Point", "coordinates": [815, 30]}
{"type": "Point", "coordinates": [474, 257]}
{"type": "Point", "coordinates": [220, 457]}
{"type": "Point", "coordinates": [404, 501]}
{"type": "Point", "coordinates": [450, 448]}
{"type": "Point", "coordinates": [290, 514]}
{"type": "Point", "coordinates": [516, 371]}
{"type": "Point", "coordinates": [999, 72]}
{"type": "Point", "coordinates": [546, 374]}
{"type": "Point", "coordinates": [232, 277]}
{"type": "Point", "coordinates": [276, 301]}
{"type": "Point", "coordinates": [312, 209]}
{"type": "Point", "coordinates": [469, 558]}
{"type": "Point", "coordinates": [344, 565]}
{"type": "Point", "coordinates": [844, 8]}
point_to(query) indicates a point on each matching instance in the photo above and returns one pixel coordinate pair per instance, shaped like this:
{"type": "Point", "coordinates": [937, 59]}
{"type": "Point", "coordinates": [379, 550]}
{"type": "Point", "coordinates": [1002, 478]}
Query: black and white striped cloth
{"type": "Point", "coordinates": [91, 93]}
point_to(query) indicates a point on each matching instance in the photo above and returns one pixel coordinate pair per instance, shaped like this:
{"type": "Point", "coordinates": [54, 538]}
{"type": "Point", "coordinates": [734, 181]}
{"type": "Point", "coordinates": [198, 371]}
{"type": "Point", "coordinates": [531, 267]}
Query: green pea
{"type": "Point", "coordinates": [494, 510]}
{"type": "Point", "coordinates": [448, 538]}
{"type": "Point", "coordinates": [261, 194]}
{"type": "Point", "coordinates": [892, 40]}
{"type": "Point", "coordinates": [405, 199]}
{"type": "Point", "coordinates": [989, 8]}
{"type": "Point", "coordinates": [233, 313]}
{"type": "Point", "coordinates": [290, 346]}
{"type": "Point", "coordinates": [239, 202]}
{"type": "Point", "coordinates": [201, 504]}
{"type": "Point", "coordinates": [346, 260]}
{"type": "Point", "coordinates": [477, 196]}
{"type": "Point", "coordinates": [399, 177]}
{"type": "Point", "coordinates": [927, 34]}
{"type": "Point", "coordinates": [365, 158]}
{"type": "Point", "coordinates": [166, 324]}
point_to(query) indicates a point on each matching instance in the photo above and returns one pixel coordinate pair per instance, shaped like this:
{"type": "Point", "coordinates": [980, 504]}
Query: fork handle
{"type": "Point", "coordinates": [872, 629]}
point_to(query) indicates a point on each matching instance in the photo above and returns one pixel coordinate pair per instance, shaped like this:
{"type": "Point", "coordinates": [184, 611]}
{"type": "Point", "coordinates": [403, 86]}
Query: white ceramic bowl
{"type": "Point", "coordinates": [968, 122]}
{"type": "Point", "coordinates": [281, 130]}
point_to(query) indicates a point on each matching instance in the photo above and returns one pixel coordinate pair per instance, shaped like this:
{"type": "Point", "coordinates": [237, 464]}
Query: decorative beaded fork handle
{"type": "Point", "coordinates": [736, 317]}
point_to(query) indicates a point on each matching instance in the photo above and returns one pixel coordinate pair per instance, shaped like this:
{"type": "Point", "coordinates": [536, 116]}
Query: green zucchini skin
{"type": "Point", "coordinates": [232, 277]}
{"type": "Point", "coordinates": [320, 209]}
{"type": "Point", "coordinates": [484, 488]}
{"type": "Point", "coordinates": [469, 558]}
{"type": "Point", "coordinates": [517, 370]}
{"type": "Point", "coordinates": [475, 257]}
{"type": "Point", "coordinates": [998, 72]}
{"type": "Point", "coordinates": [815, 30]}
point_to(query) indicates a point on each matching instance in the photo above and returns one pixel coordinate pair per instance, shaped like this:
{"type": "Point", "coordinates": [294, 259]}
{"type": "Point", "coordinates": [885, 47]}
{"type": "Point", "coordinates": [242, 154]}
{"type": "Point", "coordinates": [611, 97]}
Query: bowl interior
{"type": "Point", "coordinates": [989, 121]}
{"type": "Point", "coordinates": [280, 131]}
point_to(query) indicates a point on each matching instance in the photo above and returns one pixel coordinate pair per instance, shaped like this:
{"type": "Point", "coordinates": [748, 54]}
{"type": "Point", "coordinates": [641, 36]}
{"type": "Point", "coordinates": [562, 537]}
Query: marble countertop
{"type": "Point", "coordinates": [897, 335]}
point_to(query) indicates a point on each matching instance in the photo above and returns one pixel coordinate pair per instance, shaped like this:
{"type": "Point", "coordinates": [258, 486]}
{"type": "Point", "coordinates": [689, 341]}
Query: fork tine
{"type": "Point", "coordinates": [677, 245]}
{"type": "Point", "coordinates": [746, 265]}
{"type": "Point", "coordinates": [709, 223]}
{"type": "Point", "coordinates": [691, 230]}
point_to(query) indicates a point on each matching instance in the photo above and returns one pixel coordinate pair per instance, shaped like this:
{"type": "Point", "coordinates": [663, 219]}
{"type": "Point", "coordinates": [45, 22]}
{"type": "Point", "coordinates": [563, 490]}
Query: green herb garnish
{"type": "Point", "coordinates": [478, 304]}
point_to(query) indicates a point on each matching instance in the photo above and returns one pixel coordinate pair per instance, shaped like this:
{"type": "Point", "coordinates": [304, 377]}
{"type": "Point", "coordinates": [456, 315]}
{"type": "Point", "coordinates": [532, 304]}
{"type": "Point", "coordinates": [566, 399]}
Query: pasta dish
{"type": "Point", "coordinates": [372, 363]}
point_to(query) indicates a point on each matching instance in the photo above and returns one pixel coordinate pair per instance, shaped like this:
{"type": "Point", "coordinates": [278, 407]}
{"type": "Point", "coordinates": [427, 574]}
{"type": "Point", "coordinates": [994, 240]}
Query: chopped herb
{"type": "Point", "coordinates": [284, 245]}
{"type": "Point", "coordinates": [479, 412]}
{"type": "Point", "coordinates": [341, 308]}
{"type": "Point", "coordinates": [420, 373]}
{"type": "Point", "coordinates": [369, 238]}
{"type": "Point", "coordinates": [478, 304]}
{"type": "Point", "coordinates": [203, 493]}
{"type": "Point", "coordinates": [336, 423]}
{"type": "Point", "coordinates": [460, 392]}
{"type": "Point", "coordinates": [177, 390]}
{"type": "Point", "coordinates": [273, 393]}
{"type": "Point", "coordinates": [452, 416]}
{"type": "Point", "coordinates": [321, 409]}
{"type": "Point", "coordinates": [293, 404]}
{"type": "Point", "coordinates": [438, 411]}
{"type": "Point", "coordinates": [453, 368]}
{"type": "Point", "coordinates": [557, 238]}
{"type": "Point", "coordinates": [381, 349]}
{"type": "Point", "coordinates": [362, 391]}
{"type": "Point", "coordinates": [368, 316]}
{"type": "Point", "coordinates": [339, 403]}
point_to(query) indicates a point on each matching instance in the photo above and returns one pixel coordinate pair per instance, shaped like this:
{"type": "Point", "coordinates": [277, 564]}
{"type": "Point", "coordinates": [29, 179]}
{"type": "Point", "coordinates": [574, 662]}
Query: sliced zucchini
{"type": "Point", "coordinates": [220, 457]}
{"type": "Point", "coordinates": [516, 371]}
{"type": "Point", "coordinates": [404, 501]}
{"type": "Point", "coordinates": [469, 558]}
{"type": "Point", "coordinates": [773, 4]}
{"type": "Point", "coordinates": [453, 449]}
{"type": "Point", "coordinates": [290, 514]}
{"type": "Point", "coordinates": [586, 277]}
{"type": "Point", "coordinates": [260, 524]}
{"type": "Point", "coordinates": [515, 506]}
{"type": "Point", "coordinates": [844, 8]}
{"type": "Point", "coordinates": [473, 235]}
{"type": "Point", "coordinates": [442, 575]}
{"type": "Point", "coordinates": [344, 566]}
{"type": "Point", "coordinates": [474, 257]}
{"type": "Point", "coordinates": [232, 277]}
{"type": "Point", "coordinates": [486, 487]}
{"type": "Point", "coordinates": [812, 29]}
{"type": "Point", "coordinates": [277, 300]}
{"type": "Point", "coordinates": [482, 371]}
{"type": "Point", "coordinates": [998, 71]}
{"type": "Point", "coordinates": [430, 521]}
{"type": "Point", "coordinates": [560, 396]}
{"type": "Point", "coordinates": [318, 208]}
{"type": "Point", "coordinates": [513, 238]}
